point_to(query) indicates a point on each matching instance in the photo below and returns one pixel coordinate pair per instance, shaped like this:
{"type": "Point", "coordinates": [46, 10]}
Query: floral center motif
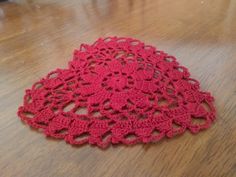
{"type": "Point", "coordinates": [117, 82]}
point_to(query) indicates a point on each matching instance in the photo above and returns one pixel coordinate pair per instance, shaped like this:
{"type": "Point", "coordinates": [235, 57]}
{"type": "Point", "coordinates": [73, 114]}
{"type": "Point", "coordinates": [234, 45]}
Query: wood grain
{"type": "Point", "coordinates": [39, 36]}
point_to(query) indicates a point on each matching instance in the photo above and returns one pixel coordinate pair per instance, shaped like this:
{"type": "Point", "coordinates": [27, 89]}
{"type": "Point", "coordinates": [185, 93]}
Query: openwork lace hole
{"type": "Point", "coordinates": [120, 54]}
{"type": "Point", "coordinates": [169, 59]}
{"type": "Point", "coordinates": [84, 118]}
{"type": "Point", "coordinates": [55, 110]}
{"type": "Point", "coordinates": [108, 39]}
{"type": "Point", "coordinates": [82, 137]}
{"type": "Point", "coordinates": [124, 118]}
{"type": "Point", "coordinates": [180, 69]}
{"type": "Point", "coordinates": [103, 118]}
{"type": "Point", "coordinates": [38, 85]}
{"type": "Point", "coordinates": [59, 87]}
{"type": "Point", "coordinates": [125, 108]}
{"type": "Point", "coordinates": [131, 136]}
{"type": "Point", "coordinates": [157, 113]}
{"type": "Point", "coordinates": [147, 47]}
{"type": "Point", "coordinates": [28, 99]}
{"type": "Point", "coordinates": [95, 105]}
{"type": "Point", "coordinates": [62, 131]}
{"type": "Point", "coordinates": [135, 43]}
{"type": "Point", "coordinates": [176, 126]}
{"type": "Point", "coordinates": [111, 123]}
{"type": "Point", "coordinates": [92, 64]}
{"type": "Point", "coordinates": [170, 91]}
{"type": "Point", "coordinates": [156, 132]}
{"type": "Point", "coordinates": [82, 48]}
{"type": "Point", "coordinates": [130, 55]}
{"type": "Point", "coordinates": [206, 106]}
{"type": "Point", "coordinates": [106, 136]}
{"type": "Point", "coordinates": [126, 88]}
{"type": "Point", "coordinates": [116, 73]}
{"type": "Point", "coordinates": [152, 100]}
{"type": "Point", "coordinates": [198, 120]}
{"type": "Point", "coordinates": [162, 102]}
{"type": "Point", "coordinates": [140, 59]}
{"type": "Point", "coordinates": [173, 105]}
{"type": "Point", "coordinates": [96, 114]}
{"type": "Point", "coordinates": [131, 82]}
{"type": "Point", "coordinates": [47, 103]}
{"type": "Point", "coordinates": [106, 103]}
{"type": "Point", "coordinates": [142, 116]}
{"type": "Point", "coordinates": [157, 52]}
{"type": "Point", "coordinates": [108, 60]}
{"type": "Point", "coordinates": [81, 111]}
{"type": "Point", "coordinates": [28, 115]}
{"type": "Point", "coordinates": [156, 74]}
{"type": "Point", "coordinates": [69, 106]}
{"type": "Point", "coordinates": [52, 75]}
{"type": "Point", "coordinates": [133, 113]}
{"type": "Point", "coordinates": [192, 81]}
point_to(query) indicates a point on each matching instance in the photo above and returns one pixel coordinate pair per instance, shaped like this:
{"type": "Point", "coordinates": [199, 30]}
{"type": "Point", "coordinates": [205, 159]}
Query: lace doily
{"type": "Point", "coordinates": [117, 90]}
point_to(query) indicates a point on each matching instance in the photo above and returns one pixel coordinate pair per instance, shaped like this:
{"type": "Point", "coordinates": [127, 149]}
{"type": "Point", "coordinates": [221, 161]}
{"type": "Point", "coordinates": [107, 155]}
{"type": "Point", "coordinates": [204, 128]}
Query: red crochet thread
{"type": "Point", "coordinates": [117, 90]}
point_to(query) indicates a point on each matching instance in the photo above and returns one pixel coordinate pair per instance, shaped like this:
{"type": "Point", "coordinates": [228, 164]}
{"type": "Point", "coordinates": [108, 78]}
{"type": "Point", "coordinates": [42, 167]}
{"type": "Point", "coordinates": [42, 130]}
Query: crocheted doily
{"type": "Point", "coordinates": [117, 90]}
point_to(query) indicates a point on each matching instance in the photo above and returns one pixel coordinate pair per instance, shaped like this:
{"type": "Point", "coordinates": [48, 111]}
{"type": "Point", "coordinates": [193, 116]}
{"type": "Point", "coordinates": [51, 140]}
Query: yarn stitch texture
{"type": "Point", "coordinates": [117, 90]}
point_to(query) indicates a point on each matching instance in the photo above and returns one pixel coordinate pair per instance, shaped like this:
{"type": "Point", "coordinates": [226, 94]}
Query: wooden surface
{"type": "Point", "coordinates": [39, 36]}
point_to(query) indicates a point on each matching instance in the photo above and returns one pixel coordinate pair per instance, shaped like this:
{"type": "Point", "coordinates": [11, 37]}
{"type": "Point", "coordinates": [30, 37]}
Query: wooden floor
{"type": "Point", "coordinates": [39, 36]}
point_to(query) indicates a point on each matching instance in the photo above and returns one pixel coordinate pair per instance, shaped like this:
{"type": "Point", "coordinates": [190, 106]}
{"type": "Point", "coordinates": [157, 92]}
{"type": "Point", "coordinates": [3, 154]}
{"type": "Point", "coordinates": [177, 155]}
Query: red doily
{"type": "Point", "coordinates": [117, 90]}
